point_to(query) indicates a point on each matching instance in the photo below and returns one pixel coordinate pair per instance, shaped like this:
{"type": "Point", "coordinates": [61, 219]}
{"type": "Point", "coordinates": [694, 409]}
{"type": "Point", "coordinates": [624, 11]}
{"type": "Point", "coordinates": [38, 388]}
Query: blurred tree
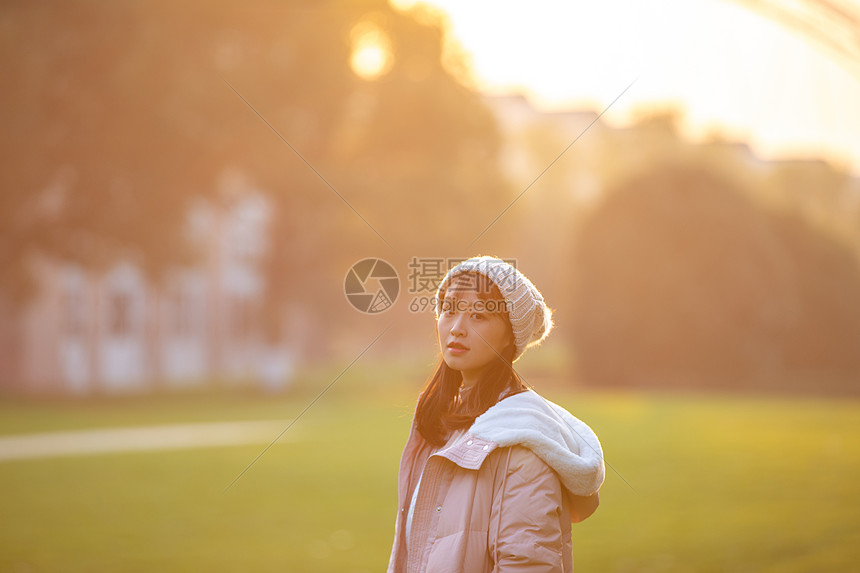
{"type": "Point", "coordinates": [420, 147]}
{"type": "Point", "coordinates": [826, 195]}
{"type": "Point", "coordinates": [682, 281]}
{"type": "Point", "coordinates": [116, 115]}
{"type": "Point", "coordinates": [822, 346]}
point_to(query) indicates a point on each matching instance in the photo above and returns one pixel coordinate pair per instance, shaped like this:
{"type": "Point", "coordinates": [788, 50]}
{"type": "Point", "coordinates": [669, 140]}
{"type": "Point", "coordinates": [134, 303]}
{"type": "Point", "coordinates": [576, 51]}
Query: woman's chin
{"type": "Point", "coordinates": [463, 363]}
{"type": "Point", "coordinates": [455, 362]}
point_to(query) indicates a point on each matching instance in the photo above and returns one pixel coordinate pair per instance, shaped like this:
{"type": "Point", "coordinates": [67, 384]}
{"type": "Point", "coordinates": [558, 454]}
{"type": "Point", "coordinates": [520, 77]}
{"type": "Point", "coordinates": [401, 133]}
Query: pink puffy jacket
{"type": "Point", "coordinates": [502, 497]}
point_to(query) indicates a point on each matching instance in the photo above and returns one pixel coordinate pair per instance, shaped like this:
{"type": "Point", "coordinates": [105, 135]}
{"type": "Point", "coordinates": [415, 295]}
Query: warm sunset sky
{"type": "Point", "coordinates": [732, 70]}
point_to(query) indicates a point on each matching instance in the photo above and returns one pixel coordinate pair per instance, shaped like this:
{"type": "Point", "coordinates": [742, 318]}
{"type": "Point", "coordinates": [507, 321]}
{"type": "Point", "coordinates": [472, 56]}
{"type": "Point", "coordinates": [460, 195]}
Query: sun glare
{"type": "Point", "coordinates": [371, 51]}
{"type": "Point", "coordinates": [732, 70]}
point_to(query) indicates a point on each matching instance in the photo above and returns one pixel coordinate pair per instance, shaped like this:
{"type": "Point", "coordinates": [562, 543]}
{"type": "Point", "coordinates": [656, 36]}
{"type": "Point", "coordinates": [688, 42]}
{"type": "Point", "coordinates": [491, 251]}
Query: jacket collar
{"type": "Point", "coordinates": [469, 452]}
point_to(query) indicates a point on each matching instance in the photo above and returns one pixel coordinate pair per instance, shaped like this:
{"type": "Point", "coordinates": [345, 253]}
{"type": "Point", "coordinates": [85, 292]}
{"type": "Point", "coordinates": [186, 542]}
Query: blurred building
{"type": "Point", "coordinates": [533, 138]}
{"type": "Point", "coordinates": [118, 331]}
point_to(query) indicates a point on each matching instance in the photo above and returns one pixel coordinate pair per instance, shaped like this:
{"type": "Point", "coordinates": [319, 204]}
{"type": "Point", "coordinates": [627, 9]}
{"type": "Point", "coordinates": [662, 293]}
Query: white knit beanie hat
{"type": "Point", "coordinates": [531, 320]}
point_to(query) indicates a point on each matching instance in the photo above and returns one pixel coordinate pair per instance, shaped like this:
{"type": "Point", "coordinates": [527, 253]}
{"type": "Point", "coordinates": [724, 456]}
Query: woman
{"type": "Point", "coordinates": [492, 474]}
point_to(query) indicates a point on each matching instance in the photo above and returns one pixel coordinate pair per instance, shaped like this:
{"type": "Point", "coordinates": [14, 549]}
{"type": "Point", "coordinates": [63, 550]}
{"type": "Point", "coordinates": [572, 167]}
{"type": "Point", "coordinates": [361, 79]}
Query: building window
{"type": "Point", "coordinates": [241, 317]}
{"type": "Point", "coordinates": [73, 313]}
{"type": "Point", "coordinates": [182, 313]}
{"type": "Point", "coordinates": [119, 314]}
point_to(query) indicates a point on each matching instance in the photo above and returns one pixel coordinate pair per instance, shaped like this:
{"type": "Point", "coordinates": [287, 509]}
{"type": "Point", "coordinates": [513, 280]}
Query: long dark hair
{"type": "Point", "coordinates": [441, 409]}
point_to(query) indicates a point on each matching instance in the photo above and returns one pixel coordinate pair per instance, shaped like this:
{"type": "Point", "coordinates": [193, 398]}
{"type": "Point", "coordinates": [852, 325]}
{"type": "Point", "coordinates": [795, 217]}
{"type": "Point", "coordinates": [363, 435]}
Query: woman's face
{"type": "Point", "coordinates": [472, 332]}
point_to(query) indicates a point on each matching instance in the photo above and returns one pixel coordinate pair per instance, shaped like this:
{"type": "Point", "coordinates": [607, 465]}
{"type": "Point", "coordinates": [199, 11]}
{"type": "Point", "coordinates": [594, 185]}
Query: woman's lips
{"type": "Point", "coordinates": [457, 348]}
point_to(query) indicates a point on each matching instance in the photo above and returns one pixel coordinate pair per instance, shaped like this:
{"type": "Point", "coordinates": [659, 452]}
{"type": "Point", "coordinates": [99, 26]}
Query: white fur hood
{"type": "Point", "coordinates": [563, 442]}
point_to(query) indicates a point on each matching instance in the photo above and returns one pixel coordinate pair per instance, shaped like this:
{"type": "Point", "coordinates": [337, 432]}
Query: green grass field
{"type": "Point", "coordinates": [716, 484]}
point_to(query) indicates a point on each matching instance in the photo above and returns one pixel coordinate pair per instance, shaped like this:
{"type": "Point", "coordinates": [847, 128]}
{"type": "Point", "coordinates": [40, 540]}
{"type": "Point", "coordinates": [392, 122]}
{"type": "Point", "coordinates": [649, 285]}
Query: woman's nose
{"type": "Point", "coordinates": [457, 328]}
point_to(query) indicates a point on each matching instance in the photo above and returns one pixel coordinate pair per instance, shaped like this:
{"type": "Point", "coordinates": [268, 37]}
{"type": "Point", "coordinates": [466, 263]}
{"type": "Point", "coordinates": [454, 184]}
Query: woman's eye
{"type": "Point", "coordinates": [477, 315]}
